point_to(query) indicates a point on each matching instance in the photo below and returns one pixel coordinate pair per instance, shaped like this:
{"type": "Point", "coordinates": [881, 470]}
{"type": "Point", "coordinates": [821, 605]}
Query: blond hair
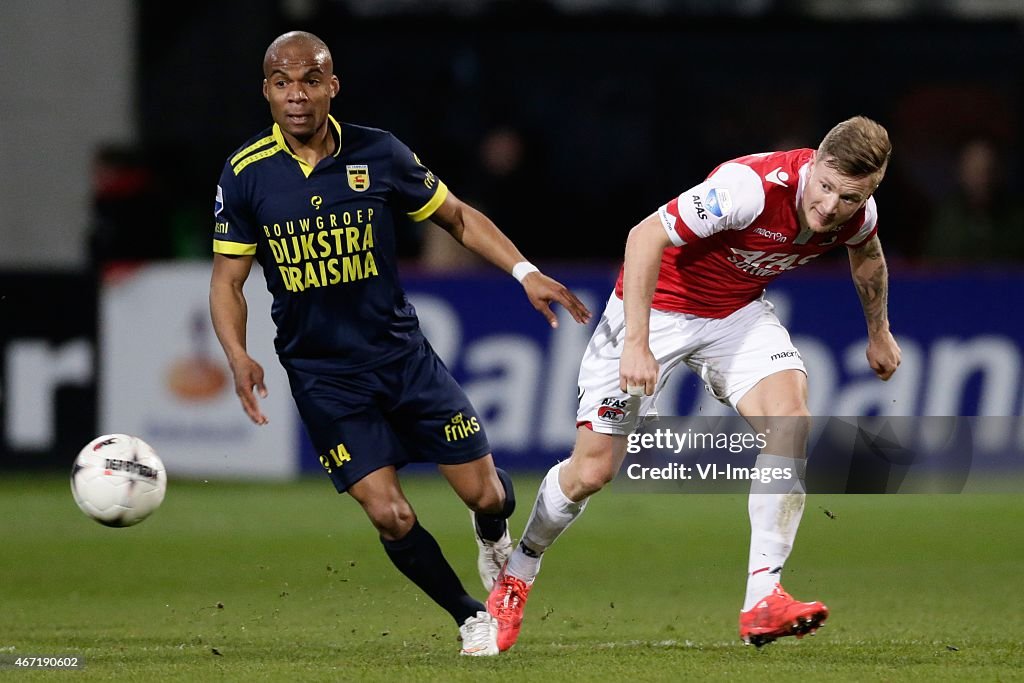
{"type": "Point", "coordinates": [857, 147]}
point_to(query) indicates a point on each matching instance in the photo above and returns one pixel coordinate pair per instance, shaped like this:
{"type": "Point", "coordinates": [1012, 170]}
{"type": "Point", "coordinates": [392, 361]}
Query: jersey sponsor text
{"type": "Point", "coordinates": [767, 264]}
{"type": "Point", "coordinates": [323, 250]}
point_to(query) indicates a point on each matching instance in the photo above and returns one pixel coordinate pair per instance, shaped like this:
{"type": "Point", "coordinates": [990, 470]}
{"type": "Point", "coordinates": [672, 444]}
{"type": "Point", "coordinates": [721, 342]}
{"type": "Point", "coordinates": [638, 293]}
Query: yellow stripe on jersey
{"type": "Point", "coordinates": [233, 248]}
{"type": "Point", "coordinates": [262, 142]}
{"type": "Point", "coordinates": [269, 152]}
{"type": "Point", "coordinates": [277, 135]}
{"type": "Point", "coordinates": [283, 144]}
{"type": "Point", "coordinates": [431, 206]}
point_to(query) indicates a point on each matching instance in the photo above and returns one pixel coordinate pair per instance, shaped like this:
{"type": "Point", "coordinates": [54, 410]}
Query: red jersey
{"type": "Point", "coordinates": [738, 229]}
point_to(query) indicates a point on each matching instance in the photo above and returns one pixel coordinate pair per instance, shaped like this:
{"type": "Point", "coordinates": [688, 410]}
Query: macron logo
{"type": "Point", "coordinates": [778, 176]}
{"type": "Point", "coordinates": [771, 234]}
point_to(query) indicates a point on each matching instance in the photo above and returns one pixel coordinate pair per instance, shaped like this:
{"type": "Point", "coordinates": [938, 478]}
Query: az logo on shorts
{"type": "Point", "coordinates": [611, 414]}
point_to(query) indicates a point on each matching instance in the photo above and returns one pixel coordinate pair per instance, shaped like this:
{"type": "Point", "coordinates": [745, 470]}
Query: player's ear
{"type": "Point", "coordinates": [335, 85]}
{"type": "Point", "coordinates": [266, 90]}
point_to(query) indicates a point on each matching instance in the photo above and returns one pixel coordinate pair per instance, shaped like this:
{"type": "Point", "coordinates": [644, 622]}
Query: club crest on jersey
{"type": "Point", "coordinates": [358, 176]}
{"type": "Point", "coordinates": [718, 201]}
{"type": "Point", "coordinates": [611, 414]}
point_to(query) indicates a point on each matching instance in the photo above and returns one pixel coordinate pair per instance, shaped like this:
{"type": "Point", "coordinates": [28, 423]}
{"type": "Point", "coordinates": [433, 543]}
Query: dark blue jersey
{"type": "Point", "coordinates": [325, 237]}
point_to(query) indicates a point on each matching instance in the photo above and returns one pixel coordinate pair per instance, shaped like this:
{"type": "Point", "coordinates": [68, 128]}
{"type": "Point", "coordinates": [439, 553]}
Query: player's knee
{"type": "Point", "coordinates": [488, 499]}
{"type": "Point", "coordinates": [787, 432]}
{"type": "Point", "coordinates": [392, 519]}
{"type": "Point", "coordinates": [795, 409]}
{"type": "Point", "coordinates": [495, 496]}
{"type": "Point", "coordinates": [589, 479]}
{"type": "Point", "coordinates": [794, 419]}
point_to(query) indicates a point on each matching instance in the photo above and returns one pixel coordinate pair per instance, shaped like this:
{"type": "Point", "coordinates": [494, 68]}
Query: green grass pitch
{"type": "Point", "coordinates": [288, 582]}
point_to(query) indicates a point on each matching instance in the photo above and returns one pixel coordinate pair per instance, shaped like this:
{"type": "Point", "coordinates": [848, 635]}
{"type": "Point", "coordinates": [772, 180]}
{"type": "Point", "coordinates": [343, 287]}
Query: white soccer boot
{"type": "Point", "coordinates": [479, 636]}
{"type": "Point", "coordinates": [491, 556]}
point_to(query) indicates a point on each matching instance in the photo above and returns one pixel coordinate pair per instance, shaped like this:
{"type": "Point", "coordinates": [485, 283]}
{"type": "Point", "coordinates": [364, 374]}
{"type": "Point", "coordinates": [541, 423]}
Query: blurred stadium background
{"type": "Point", "coordinates": [567, 121]}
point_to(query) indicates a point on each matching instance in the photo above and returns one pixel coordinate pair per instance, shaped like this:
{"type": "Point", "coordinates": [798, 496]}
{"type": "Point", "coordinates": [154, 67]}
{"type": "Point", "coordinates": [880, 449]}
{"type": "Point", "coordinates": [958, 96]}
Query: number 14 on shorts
{"type": "Point", "coordinates": [336, 457]}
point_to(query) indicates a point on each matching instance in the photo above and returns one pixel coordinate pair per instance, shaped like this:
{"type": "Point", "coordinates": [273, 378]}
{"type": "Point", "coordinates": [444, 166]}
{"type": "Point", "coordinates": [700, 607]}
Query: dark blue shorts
{"type": "Point", "coordinates": [409, 410]}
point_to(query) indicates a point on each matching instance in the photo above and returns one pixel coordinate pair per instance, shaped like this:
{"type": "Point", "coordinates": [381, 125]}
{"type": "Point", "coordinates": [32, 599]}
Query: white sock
{"type": "Point", "coordinates": [552, 514]}
{"type": "Point", "coordinates": [775, 510]}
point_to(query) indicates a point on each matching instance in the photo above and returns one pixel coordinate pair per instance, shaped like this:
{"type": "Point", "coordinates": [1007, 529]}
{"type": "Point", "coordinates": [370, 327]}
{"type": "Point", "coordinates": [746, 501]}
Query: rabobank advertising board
{"type": "Point", "coordinates": [962, 352]}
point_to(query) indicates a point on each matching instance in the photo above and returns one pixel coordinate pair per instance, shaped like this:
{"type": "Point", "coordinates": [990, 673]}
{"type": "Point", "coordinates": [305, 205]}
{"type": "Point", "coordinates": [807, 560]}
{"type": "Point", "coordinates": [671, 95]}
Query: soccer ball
{"type": "Point", "coordinates": [118, 480]}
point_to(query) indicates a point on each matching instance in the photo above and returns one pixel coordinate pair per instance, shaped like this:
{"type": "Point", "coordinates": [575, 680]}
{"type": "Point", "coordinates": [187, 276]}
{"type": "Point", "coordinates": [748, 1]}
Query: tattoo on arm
{"type": "Point", "coordinates": [871, 277]}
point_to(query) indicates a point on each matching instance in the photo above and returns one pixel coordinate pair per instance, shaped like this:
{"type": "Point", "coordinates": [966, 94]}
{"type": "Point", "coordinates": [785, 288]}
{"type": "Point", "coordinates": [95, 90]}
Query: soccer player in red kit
{"type": "Point", "coordinates": [691, 291]}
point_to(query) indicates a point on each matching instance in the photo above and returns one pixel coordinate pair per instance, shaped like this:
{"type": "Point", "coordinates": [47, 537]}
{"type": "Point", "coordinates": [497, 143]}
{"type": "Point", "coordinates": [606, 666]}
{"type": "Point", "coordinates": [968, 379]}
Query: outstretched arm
{"type": "Point", "coordinates": [478, 233]}
{"type": "Point", "coordinates": [644, 246]}
{"type": "Point", "coordinates": [228, 310]}
{"type": "Point", "coordinates": [871, 277]}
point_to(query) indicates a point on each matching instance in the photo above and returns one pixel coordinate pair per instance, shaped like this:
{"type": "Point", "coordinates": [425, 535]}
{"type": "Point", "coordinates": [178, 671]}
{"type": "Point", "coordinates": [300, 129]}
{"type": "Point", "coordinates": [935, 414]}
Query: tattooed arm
{"type": "Point", "coordinates": [871, 277]}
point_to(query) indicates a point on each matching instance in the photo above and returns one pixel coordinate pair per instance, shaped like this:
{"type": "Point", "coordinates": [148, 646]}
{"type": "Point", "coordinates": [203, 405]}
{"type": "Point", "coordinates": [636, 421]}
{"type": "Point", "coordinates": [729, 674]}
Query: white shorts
{"type": "Point", "coordinates": [730, 354]}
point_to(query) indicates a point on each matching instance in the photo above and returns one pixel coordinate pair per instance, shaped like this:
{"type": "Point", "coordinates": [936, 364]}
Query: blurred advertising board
{"type": "Point", "coordinates": [962, 342]}
{"type": "Point", "coordinates": [164, 377]}
{"type": "Point", "coordinates": [152, 366]}
{"type": "Point", "coordinates": [47, 367]}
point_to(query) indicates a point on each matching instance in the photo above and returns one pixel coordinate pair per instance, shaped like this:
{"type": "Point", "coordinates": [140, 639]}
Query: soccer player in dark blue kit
{"type": "Point", "coordinates": [315, 202]}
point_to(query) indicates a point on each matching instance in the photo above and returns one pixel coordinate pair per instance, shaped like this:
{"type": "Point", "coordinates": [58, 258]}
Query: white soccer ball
{"type": "Point", "coordinates": [118, 480]}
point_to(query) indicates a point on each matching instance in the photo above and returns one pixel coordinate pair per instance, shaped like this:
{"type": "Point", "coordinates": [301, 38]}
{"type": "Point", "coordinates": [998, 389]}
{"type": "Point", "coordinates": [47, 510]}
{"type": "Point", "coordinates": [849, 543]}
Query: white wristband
{"type": "Point", "coordinates": [522, 269]}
